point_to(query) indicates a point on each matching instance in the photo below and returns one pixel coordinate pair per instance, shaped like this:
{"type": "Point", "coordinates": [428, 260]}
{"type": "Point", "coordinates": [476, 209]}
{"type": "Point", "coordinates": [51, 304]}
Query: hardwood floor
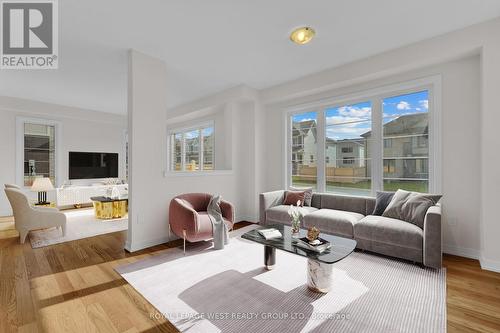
{"type": "Point", "coordinates": [72, 287]}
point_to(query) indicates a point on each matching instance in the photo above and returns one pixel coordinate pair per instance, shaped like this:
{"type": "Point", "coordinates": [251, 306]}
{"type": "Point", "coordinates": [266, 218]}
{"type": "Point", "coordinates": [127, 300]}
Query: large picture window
{"type": "Point", "coordinates": [376, 143]}
{"type": "Point", "coordinates": [192, 149]}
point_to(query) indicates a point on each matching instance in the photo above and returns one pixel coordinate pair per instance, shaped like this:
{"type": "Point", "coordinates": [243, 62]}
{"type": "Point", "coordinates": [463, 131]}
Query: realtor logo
{"type": "Point", "coordinates": [29, 34]}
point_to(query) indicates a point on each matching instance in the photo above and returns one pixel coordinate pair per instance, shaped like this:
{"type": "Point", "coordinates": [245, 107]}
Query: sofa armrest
{"type": "Point", "coordinates": [432, 247]}
{"type": "Point", "coordinates": [268, 200]}
{"type": "Point", "coordinates": [182, 216]}
{"type": "Point", "coordinates": [227, 210]}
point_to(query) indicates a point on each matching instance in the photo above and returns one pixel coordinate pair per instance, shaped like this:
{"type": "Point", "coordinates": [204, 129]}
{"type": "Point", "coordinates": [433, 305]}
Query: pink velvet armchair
{"type": "Point", "coordinates": [189, 219]}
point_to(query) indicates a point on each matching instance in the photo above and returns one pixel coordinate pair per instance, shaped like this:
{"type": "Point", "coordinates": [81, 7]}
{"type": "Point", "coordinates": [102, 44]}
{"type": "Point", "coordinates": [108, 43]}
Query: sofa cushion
{"type": "Point", "coordinates": [345, 203]}
{"type": "Point", "coordinates": [280, 213]}
{"type": "Point", "coordinates": [332, 221]}
{"type": "Point", "coordinates": [389, 231]}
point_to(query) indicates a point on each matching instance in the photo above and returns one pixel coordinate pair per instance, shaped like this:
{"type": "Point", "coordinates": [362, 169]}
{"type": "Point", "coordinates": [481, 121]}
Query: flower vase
{"type": "Point", "coordinates": [295, 228]}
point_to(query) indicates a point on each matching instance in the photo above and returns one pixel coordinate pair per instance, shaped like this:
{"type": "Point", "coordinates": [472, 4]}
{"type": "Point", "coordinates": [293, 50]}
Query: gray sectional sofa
{"type": "Point", "coordinates": [349, 216]}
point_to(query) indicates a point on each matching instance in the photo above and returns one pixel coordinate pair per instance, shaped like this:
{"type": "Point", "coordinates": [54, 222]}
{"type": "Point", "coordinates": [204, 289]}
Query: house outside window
{"type": "Point", "coordinates": [348, 160]}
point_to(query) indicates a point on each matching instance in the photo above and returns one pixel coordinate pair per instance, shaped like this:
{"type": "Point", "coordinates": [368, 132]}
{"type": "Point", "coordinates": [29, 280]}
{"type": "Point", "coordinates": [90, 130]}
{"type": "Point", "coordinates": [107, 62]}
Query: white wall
{"type": "Point", "coordinates": [82, 130]}
{"type": "Point", "coordinates": [473, 208]}
{"type": "Point", "coordinates": [147, 102]}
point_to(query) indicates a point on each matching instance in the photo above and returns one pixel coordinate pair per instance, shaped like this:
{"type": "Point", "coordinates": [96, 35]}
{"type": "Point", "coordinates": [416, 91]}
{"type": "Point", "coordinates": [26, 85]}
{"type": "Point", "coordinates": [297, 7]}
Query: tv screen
{"type": "Point", "coordinates": [92, 165]}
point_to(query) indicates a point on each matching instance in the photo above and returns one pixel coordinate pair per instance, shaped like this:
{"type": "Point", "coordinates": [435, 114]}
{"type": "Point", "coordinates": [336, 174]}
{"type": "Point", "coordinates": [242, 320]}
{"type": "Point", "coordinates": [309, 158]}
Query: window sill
{"type": "Point", "coordinates": [169, 174]}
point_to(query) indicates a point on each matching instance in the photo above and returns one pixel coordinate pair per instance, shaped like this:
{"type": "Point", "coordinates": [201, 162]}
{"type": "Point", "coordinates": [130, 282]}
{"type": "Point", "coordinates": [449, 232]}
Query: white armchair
{"type": "Point", "coordinates": [32, 218]}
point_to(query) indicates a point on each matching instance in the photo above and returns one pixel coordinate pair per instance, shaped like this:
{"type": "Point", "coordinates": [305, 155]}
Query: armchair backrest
{"type": "Point", "coordinates": [12, 186]}
{"type": "Point", "coordinates": [19, 203]}
{"type": "Point", "coordinates": [199, 201]}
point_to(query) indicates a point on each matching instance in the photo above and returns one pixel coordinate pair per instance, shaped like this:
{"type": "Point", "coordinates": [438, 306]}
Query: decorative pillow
{"type": "Point", "coordinates": [291, 198]}
{"type": "Point", "coordinates": [308, 194]}
{"type": "Point", "coordinates": [383, 200]}
{"type": "Point", "coordinates": [411, 206]}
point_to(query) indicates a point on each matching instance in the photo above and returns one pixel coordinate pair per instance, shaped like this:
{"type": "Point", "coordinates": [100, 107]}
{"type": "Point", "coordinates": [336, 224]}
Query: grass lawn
{"type": "Point", "coordinates": [364, 187]}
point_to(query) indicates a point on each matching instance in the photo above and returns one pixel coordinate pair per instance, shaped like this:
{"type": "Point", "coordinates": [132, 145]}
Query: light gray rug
{"type": "Point", "coordinates": [79, 224]}
{"type": "Point", "coordinates": [229, 291]}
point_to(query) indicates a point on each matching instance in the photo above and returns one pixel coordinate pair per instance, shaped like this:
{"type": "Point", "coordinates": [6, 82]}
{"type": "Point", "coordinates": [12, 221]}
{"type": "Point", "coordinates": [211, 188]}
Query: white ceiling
{"type": "Point", "coordinates": [213, 45]}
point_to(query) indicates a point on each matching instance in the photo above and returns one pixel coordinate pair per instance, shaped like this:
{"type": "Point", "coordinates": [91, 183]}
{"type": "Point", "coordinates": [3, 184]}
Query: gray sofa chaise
{"type": "Point", "coordinates": [349, 216]}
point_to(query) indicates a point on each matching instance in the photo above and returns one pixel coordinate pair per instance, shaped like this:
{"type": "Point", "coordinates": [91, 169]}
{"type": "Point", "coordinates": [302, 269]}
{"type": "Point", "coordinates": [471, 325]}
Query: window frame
{"type": "Point", "coordinates": [20, 122]}
{"type": "Point", "coordinates": [182, 130]}
{"type": "Point", "coordinates": [375, 96]}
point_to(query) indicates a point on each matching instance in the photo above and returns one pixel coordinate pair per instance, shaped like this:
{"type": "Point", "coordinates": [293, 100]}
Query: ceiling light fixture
{"type": "Point", "coordinates": [302, 35]}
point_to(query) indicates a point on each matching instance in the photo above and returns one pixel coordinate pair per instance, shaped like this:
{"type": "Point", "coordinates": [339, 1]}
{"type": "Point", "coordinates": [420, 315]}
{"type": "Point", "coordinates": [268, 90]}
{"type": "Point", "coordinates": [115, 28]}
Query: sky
{"type": "Point", "coordinates": [195, 133]}
{"type": "Point", "coordinates": [350, 121]}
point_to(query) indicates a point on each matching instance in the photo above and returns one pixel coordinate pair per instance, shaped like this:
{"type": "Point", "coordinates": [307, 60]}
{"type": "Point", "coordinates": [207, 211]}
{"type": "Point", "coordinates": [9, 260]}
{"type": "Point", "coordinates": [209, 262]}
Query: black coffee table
{"type": "Point", "coordinates": [319, 265]}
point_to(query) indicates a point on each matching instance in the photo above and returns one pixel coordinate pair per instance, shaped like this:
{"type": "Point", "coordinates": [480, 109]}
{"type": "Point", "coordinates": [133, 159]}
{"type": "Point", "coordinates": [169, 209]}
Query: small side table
{"type": "Point", "coordinates": [107, 208]}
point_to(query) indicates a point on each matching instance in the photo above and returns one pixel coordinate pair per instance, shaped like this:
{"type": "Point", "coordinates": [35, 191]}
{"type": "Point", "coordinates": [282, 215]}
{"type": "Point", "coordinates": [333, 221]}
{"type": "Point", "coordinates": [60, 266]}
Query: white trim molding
{"type": "Point", "coordinates": [489, 265]}
{"type": "Point", "coordinates": [461, 251]}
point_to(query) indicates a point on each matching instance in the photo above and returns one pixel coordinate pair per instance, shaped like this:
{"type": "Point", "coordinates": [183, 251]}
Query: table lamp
{"type": "Point", "coordinates": [42, 185]}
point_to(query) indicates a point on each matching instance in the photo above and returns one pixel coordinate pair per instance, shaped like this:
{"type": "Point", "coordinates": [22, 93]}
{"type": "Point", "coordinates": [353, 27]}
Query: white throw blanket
{"type": "Point", "coordinates": [220, 229]}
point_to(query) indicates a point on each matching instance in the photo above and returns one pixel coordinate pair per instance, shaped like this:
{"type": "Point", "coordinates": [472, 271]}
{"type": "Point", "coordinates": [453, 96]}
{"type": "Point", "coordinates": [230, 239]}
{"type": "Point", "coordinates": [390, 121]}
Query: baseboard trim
{"type": "Point", "coordinates": [490, 265]}
{"type": "Point", "coordinates": [461, 251]}
{"type": "Point", "coordinates": [137, 246]}
{"type": "Point", "coordinates": [247, 218]}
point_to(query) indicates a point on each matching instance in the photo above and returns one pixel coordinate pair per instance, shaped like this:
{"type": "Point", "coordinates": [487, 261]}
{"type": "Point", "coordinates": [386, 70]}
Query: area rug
{"type": "Point", "coordinates": [229, 291]}
{"type": "Point", "coordinates": [79, 224]}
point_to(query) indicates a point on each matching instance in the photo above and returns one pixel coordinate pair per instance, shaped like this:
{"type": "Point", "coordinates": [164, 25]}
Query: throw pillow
{"type": "Point", "coordinates": [291, 198]}
{"type": "Point", "coordinates": [308, 194]}
{"type": "Point", "coordinates": [393, 210]}
{"type": "Point", "coordinates": [410, 206]}
{"type": "Point", "coordinates": [416, 207]}
{"type": "Point", "coordinates": [382, 201]}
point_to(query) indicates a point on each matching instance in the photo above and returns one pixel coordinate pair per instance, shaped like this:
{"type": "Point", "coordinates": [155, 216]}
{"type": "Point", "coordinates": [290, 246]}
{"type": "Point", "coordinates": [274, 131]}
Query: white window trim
{"type": "Point", "coordinates": [170, 144]}
{"type": "Point", "coordinates": [20, 121]}
{"type": "Point", "coordinates": [433, 84]}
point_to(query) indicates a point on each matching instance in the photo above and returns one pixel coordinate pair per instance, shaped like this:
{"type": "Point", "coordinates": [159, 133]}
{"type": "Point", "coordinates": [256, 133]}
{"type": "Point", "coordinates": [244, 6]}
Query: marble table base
{"type": "Point", "coordinates": [319, 276]}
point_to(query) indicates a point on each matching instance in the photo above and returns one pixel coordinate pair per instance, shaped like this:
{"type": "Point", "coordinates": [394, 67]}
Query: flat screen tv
{"type": "Point", "coordinates": [92, 165]}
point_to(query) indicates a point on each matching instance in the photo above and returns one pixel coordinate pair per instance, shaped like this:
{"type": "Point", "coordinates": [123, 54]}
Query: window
{"type": "Point", "coordinates": [304, 144]}
{"type": "Point", "coordinates": [347, 131]}
{"type": "Point", "coordinates": [192, 149]}
{"type": "Point", "coordinates": [39, 152]}
{"type": "Point", "coordinates": [389, 166]}
{"type": "Point", "coordinates": [377, 143]}
{"type": "Point", "coordinates": [406, 124]}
